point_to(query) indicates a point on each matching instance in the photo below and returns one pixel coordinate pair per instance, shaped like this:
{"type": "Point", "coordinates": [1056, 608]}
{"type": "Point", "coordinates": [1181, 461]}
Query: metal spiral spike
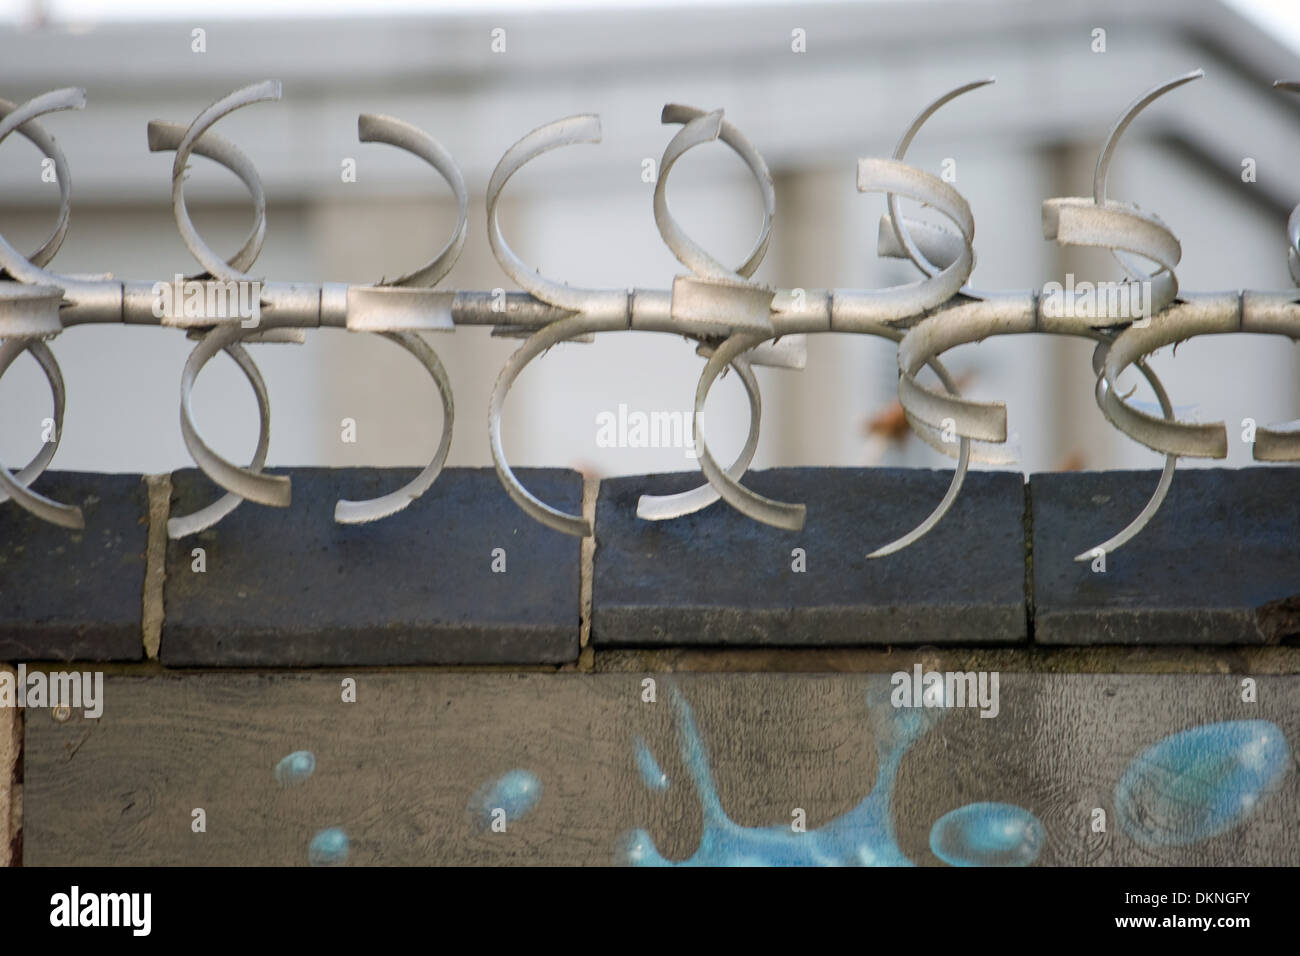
{"type": "Point", "coordinates": [248, 483]}
{"type": "Point", "coordinates": [1096, 221]}
{"type": "Point", "coordinates": [868, 313]}
{"type": "Point", "coordinates": [592, 310]}
{"type": "Point", "coordinates": [373, 128]}
{"type": "Point", "coordinates": [711, 289]}
{"type": "Point", "coordinates": [1147, 236]}
{"type": "Point", "coordinates": [30, 303]}
{"type": "Point", "coordinates": [736, 321]}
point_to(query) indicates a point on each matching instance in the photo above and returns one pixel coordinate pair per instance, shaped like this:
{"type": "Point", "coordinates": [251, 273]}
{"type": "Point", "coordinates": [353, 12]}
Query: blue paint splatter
{"type": "Point", "coordinates": [862, 837]}
{"type": "Point", "coordinates": [328, 848]}
{"type": "Point", "coordinates": [1201, 782]}
{"type": "Point", "coordinates": [987, 834]}
{"type": "Point", "coordinates": [516, 792]}
{"type": "Point", "coordinates": [651, 774]}
{"type": "Point", "coordinates": [295, 768]}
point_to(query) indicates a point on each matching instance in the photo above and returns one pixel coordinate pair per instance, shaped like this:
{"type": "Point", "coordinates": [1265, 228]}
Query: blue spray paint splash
{"type": "Point", "coordinates": [1201, 782]}
{"type": "Point", "coordinates": [295, 768]}
{"type": "Point", "coordinates": [987, 834]}
{"type": "Point", "coordinates": [651, 774]}
{"type": "Point", "coordinates": [328, 848]}
{"type": "Point", "coordinates": [516, 792]}
{"type": "Point", "coordinates": [862, 837]}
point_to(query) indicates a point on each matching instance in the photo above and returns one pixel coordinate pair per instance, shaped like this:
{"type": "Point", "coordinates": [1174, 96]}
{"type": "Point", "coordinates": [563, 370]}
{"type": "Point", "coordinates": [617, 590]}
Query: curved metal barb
{"type": "Point", "coordinates": [239, 483]}
{"type": "Point", "coordinates": [21, 119]}
{"type": "Point", "coordinates": [870, 313]}
{"type": "Point", "coordinates": [180, 526]}
{"type": "Point", "coordinates": [735, 320]}
{"type": "Point", "coordinates": [29, 306]}
{"type": "Point", "coordinates": [251, 483]}
{"type": "Point", "coordinates": [853, 312]}
{"type": "Point", "coordinates": [15, 486]}
{"type": "Point", "coordinates": [388, 130]}
{"type": "Point", "coordinates": [614, 310]}
{"type": "Point", "coordinates": [1098, 222]}
{"type": "Point", "coordinates": [893, 221]}
{"type": "Point", "coordinates": [216, 266]}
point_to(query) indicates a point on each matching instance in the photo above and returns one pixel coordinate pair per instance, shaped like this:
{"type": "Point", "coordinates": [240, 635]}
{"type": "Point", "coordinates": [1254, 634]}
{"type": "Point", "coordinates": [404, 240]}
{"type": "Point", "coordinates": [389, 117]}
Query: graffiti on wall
{"type": "Point", "coordinates": [1185, 788]}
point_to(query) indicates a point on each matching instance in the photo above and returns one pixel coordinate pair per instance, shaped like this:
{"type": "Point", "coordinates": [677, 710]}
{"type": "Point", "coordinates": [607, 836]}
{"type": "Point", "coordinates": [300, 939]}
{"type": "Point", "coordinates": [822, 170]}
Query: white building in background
{"type": "Point", "coordinates": [583, 214]}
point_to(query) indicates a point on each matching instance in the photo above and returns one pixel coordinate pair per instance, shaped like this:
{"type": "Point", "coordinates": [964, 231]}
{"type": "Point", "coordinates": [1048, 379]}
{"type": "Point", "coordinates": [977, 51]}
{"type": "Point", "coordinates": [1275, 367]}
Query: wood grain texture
{"type": "Point", "coordinates": [399, 768]}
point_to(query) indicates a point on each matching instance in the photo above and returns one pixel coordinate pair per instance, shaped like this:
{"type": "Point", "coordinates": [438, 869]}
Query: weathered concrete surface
{"type": "Point", "coordinates": [1218, 564]}
{"type": "Point", "coordinates": [75, 595]}
{"type": "Point", "coordinates": [718, 577]}
{"type": "Point", "coordinates": [290, 587]}
{"type": "Point", "coordinates": [403, 770]}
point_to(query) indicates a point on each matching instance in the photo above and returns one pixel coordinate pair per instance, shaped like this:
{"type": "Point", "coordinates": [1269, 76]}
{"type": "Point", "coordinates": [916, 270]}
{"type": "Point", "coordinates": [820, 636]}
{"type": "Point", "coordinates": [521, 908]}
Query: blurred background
{"type": "Point", "coordinates": [583, 214]}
